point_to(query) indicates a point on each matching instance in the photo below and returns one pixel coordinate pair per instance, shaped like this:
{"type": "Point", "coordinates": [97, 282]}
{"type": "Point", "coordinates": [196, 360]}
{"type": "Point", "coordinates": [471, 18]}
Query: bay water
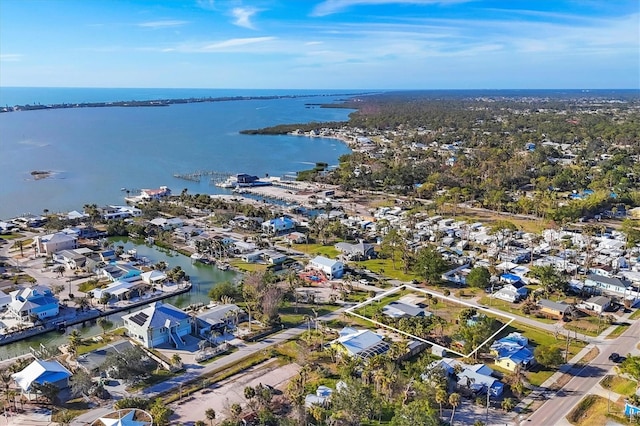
{"type": "Point", "coordinates": [95, 152]}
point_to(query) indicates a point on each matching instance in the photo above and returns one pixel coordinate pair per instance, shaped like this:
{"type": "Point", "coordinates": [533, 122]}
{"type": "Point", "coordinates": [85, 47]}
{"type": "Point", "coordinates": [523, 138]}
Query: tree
{"type": "Point", "coordinates": [441, 397]}
{"type": "Point", "coordinates": [160, 412]}
{"type": "Point", "coordinates": [478, 277]}
{"type": "Point", "coordinates": [507, 404]}
{"type": "Point", "coordinates": [49, 391]}
{"type": "Point", "coordinates": [211, 415]}
{"type": "Point", "coordinates": [631, 366]}
{"type": "Point", "coordinates": [65, 417]}
{"type": "Point", "coordinates": [454, 401]}
{"type": "Point", "coordinates": [549, 278]}
{"type": "Point", "coordinates": [81, 383]}
{"type": "Point", "coordinates": [75, 340]}
{"type": "Point", "coordinates": [430, 265]}
{"type": "Point", "coordinates": [549, 356]}
{"type": "Point", "coordinates": [415, 413]}
{"type": "Point", "coordinates": [354, 403]}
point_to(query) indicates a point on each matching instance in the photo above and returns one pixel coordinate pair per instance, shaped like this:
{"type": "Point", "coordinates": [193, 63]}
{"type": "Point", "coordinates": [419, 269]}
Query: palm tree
{"type": "Point", "coordinates": [454, 400]}
{"type": "Point", "coordinates": [211, 415]}
{"type": "Point", "coordinates": [441, 398]}
{"type": "Point", "coordinates": [75, 340]}
{"type": "Point", "coordinates": [507, 404]}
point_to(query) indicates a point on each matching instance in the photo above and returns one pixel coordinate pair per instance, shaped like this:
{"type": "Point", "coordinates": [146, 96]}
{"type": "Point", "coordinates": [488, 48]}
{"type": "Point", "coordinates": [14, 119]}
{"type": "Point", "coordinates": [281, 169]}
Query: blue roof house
{"type": "Point", "coordinates": [41, 372]}
{"type": "Point", "coordinates": [278, 226]}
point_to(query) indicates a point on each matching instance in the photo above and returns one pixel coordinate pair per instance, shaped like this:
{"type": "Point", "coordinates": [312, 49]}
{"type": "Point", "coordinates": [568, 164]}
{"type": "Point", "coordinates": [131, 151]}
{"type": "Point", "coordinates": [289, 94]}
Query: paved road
{"type": "Point", "coordinates": [584, 382]}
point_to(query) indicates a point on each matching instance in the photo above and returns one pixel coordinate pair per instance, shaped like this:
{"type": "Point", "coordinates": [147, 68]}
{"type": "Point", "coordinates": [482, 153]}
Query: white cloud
{"type": "Point", "coordinates": [162, 24]}
{"type": "Point", "coordinates": [11, 57]}
{"type": "Point", "coordinates": [234, 43]}
{"type": "Point", "coordinates": [206, 4]}
{"type": "Point", "coordinates": [243, 16]}
{"type": "Point", "coordinates": [329, 7]}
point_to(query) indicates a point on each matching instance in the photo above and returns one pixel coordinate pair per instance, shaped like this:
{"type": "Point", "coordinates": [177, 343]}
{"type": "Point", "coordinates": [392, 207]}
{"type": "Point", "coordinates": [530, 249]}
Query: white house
{"type": "Point", "coordinates": [360, 343]}
{"type": "Point", "coordinates": [597, 304]}
{"type": "Point", "coordinates": [37, 300]}
{"type": "Point", "coordinates": [41, 372]}
{"type": "Point", "coordinates": [158, 324]}
{"type": "Point", "coordinates": [331, 268]}
{"type": "Point", "coordinates": [53, 243]}
{"type": "Point", "coordinates": [279, 225]}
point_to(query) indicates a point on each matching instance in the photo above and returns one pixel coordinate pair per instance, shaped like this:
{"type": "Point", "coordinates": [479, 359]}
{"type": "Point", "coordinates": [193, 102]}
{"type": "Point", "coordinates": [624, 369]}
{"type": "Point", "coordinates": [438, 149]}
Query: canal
{"type": "Point", "coordinates": [203, 278]}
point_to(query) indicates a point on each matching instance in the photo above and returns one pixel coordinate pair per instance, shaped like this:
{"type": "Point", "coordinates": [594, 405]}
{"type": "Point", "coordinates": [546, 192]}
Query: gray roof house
{"type": "Point", "coordinates": [357, 251]}
{"type": "Point", "coordinates": [607, 284]}
{"type": "Point", "coordinates": [158, 324]}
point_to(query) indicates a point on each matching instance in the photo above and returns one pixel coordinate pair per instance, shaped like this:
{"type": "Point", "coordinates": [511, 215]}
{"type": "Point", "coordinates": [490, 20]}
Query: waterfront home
{"type": "Point", "coordinates": [360, 343]}
{"type": "Point", "coordinates": [116, 212]}
{"type": "Point", "coordinates": [154, 194]}
{"type": "Point", "coordinates": [167, 224]}
{"type": "Point", "coordinates": [41, 372]}
{"type": "Point", "coordinates": [6, 227]}
{"type": "Point", "coordinates": [557, 310]}
{"type": "Point", "coordinates": [279, 226]}
{"type": "Point", "coordinates": [119, 272]}
{"type": "Point", "coordinates": [219, 317]}
{"type": "Point", "coordinates": [331, 268]}
{"type": "Point", "coordinates": [153, 277]}
{"type": "Point", "coordinates": [29, 221]}
{"type": "Point", "coordinates": [357, 251]}
{"type": "Point", "coordinates": [158, 324]}
{"type": "Point", "coordinates": [53, 243]}
{"type": "Point", "coordinates": [37, 300]}
{"type": "Point", "coordinates": [117, 289]}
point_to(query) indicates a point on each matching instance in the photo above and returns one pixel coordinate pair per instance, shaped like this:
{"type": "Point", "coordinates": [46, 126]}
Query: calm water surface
{"type": "Point", "coordinates": [203, 278]}
{"type": "Point", "coordinates": [94, 152]}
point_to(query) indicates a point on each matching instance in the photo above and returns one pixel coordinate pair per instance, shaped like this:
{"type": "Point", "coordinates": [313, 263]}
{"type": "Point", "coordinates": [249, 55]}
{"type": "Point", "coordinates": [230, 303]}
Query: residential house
{"type": "Point", "coordinates": [478, 379]}
{"type": "Point", "coordinates": [70, 259]}
{"type": "Point", "coordinates": [167, 224]}
{"type": "Point", "coordinates": [37, 300]}
{"type": "Point", "coordinates": [117, 289]}
{"type": "Point", "coordinates": [321, 397]}
{"type": "Point", "coordinates": [331, 268]}
{"type": "Point", "coordinates": [279, 226]}
{"type": "Point", "coordinates": [154, 194]}
{"type": "Point", "coordinates": [513, 291]}
{"type": "Point", "coordinates": [120, 272]}
{"type": "Point", "coordinates": [551, 309]}
{"type": "Point", "coordinates": [218, 318]}
{"type": "Point", "coordinates": [41, 372]}
{"type": "Point", "coordinates": [399, 309]}
{"type": "Point", "coordinates": [631, 409]}
{"type": "Point", "coordinates": [596, 304]}
{"type": "Point", "coordinates": [512, 352]}
{"type": "Point", "coordinates": [610, 285]}
{"type": "Point", "coordinates": [296, 237]}
{"type": "Point", "coordinates": [357, 251]}
{"type": "Point", "coordinates": [158, 324]}
{"type": "Point", "coordinates": [153, 277]}
{"type": "Point", "coordinates": [360, 343]}
{"type": "Point", "coordinates": [53, 243]}
{"type": "Point", "coordinates": [274, 257]}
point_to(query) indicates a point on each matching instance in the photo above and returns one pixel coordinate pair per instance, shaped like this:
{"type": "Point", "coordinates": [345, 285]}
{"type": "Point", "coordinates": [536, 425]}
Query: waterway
{"type": "Point", "coordinates": [94, 152]}
{"type": "Point", "coordinates": [203, 278]}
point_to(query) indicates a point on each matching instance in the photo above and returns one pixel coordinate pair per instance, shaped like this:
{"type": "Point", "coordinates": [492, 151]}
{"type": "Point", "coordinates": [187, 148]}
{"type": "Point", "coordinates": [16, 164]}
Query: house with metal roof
{"type": "Point", "coordinates": [37, 300]}
{"type": "Point", "coordinates": [601, 283]}
{"type": "Point", "coordinates": [53, 243]}
{"type": "Point", "coordinates": [399, 309]}
{"type": "Point", "coordinates": [512, 352]}
{"type": "Point", "coordinates": [331, 268]}
{"type": "Point", "coordinates": [357, 251]}
{"type": "Point", "coordinates": [92, 361]}
{"type": "Point", "coordinates": [553, 309]}
{"type": "Point", "coordinates": [158, 324]}
{"type": "Point", "coordinates": [360, 343]}
{"type": "Point", "coordinates": [279, 226]}
{"type": "Point", "coordinates": [41, 372]}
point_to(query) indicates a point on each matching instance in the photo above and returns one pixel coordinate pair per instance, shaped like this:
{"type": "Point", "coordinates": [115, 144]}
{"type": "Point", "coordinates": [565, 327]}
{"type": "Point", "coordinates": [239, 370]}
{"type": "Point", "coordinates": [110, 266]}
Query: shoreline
{"type": "Point", "coordinates": [161, 102]}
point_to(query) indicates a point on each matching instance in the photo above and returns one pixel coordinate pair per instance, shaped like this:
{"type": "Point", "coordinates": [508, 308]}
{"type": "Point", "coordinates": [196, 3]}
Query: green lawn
{"type": "Point", "coordinates": [635, 315]}
{"type": "Point", "coordinates": [247, 267]}
{"type": "Point", "coordinates": [618, 330]}
{"type": "Point", "coordinates": [291, 318]}
{"type": "Point", "coordinates": [511, 308]}
{"type": "Point", "coordinates": [385, 267]}
{"type": "Point", "coordinates": [318, 249]}
{"type": "Point", "coordinates": [619, 385]}
{"type": "Point", "coordinates": [590, 326]}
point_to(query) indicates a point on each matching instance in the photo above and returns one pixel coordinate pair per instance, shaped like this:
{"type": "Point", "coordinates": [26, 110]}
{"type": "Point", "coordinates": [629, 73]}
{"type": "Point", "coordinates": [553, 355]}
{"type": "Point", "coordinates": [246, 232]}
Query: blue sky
{"type": "Point", "coordinates": [321, 44]}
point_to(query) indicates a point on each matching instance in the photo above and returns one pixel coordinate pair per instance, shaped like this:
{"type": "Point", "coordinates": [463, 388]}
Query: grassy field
{"type": "Point", "coordinates": [591, 326]}
{"type": "Point", "coordinates": [89, 345]}
{"type": "Point", "coordinates": [511, 308]}
{"type": "Point", "coordinates": [635, 315]}
{"type": "Point", "coordinates": [247, 267]}
{"type": "Point", "coordinates": [318, 249]}
{"type": "Point", "coordinates": [595, 410]}
{"type": "Point", "coordinates": [291, 318]}
{"type": "Point", "coordinates": [619, 385]}
{"type": "Point", "coordinates": [385, 267]}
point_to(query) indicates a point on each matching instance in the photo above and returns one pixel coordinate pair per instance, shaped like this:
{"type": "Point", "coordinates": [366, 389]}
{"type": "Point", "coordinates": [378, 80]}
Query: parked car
{"type": "Point", "coordinates": [615, 357]}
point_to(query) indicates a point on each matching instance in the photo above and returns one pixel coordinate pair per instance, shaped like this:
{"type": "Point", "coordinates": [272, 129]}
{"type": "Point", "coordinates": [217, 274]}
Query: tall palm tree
{"type": "Point", "coordinates": [441, 398]}
{"type": "Point", "coordinates": [454, 400]}
{"type": "Point", "coordinates": [211, 415]}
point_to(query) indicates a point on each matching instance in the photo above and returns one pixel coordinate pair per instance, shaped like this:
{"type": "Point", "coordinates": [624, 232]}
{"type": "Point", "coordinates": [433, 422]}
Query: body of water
{"type": "Point", "coordinates": [94, 152]}
{"type": "Point", "coordinates": [203, 277]}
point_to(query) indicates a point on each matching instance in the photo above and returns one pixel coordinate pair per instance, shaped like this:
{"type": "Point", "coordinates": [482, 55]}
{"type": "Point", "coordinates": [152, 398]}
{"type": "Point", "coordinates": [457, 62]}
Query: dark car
{"type": "Point", "coordinates": [615, 357]}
